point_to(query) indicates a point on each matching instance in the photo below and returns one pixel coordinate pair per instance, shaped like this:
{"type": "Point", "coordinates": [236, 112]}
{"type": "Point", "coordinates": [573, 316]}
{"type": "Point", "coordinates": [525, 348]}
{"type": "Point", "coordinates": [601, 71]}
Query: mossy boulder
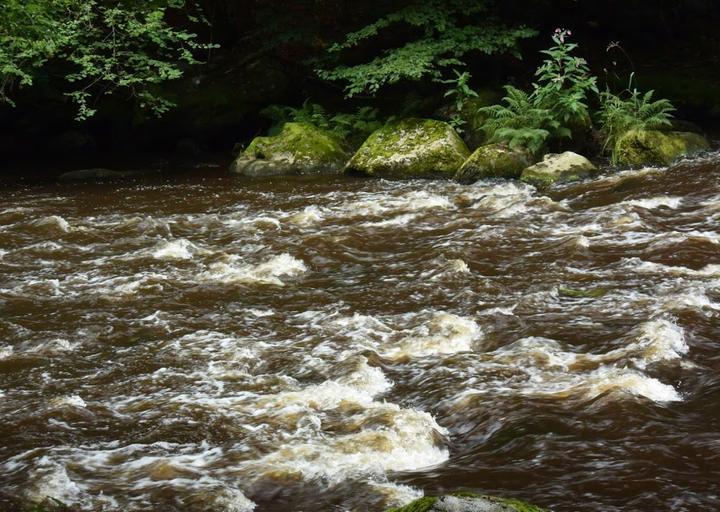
{"type": "Point", "coordinates": [494, 161]}
{"type": "Point", "coordinates": [466, 502]}
{"type": "Point", "coordinates": [300, 148]}
{"type": "Point", "coordinates": [411, 148]}
{"type": "Point", "coordinates": [558, 168]}
{"type": "Point", "coordinates": [652, 147]}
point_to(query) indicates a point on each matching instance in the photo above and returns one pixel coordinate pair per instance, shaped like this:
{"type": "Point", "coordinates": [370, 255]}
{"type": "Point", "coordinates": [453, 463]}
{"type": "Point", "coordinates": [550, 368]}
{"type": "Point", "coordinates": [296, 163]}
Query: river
{"type": "Point", "coordinates": [209, 343]}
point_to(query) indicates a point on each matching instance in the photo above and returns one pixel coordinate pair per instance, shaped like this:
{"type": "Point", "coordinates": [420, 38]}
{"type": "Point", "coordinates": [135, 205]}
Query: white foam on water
{"type": "Point", "coordinates": [448, 268]}
{"type": "Point", "coordinates": [6, 352]}
{"type": "Point", "coordinates": [406, 441]}
{"type": "Point", "coordinates": [582, 242]}
{"type": "Point", "coordinates": [51, 480]}
{"type": "Point", "coordinates": [53, 222]}
{"type": "Point", "coordinates": [181, 249]}
{"type": "Point", "coordinates": [541, 367]}
{"type": "Point", "coordinates": [54, 346]}
{"type": "Point", "coordinates": [230, 500]}
{"type": "Point", "coordinates": [659, 340]}
{"type": "Point", "coordinates": [308, 216]}
{"type": "Point", "coordinates": [400, 220]}
{"type": "Point", "coordinates": [268, 272]}
{"type": "Point", "coordinates": [648, 267]}
{"type": "Point", "coordinates": [693, 298]}
{"type": "Point", "coordinates": [257, 223]}
{"type": "Point", "coordinates": [378, 204]}
{"type": "Point", "coordinates": [651, 203]}
{"type": "Point", "coordinates": [70, 401]}
{"type": "Point", "coordinates": [444, 334]}
{"type": "Point", "coordinates": [359, 387]}
{"type": "Point", "coordinates": [604, 380]}
{"type": "Point", "coordinates": [226, 355]}
{"type": "Point", "coordinates": [396, 495]}
{"type": "Point", "coordinates": [147, 282]}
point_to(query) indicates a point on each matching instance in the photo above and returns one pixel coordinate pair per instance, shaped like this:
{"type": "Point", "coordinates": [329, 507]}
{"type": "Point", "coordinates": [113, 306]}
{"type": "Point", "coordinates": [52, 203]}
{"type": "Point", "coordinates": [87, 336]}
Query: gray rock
{"type": "Point", "coordinates": [558, 168]}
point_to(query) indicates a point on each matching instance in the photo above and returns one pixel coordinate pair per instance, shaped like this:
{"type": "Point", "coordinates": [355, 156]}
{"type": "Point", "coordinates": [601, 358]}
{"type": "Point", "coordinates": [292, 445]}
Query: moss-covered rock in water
{"type": "Point", "coordinates": [558, 168]}
{"type": "Point", "coordinates": [466, 502]}
{"type": "Point", "coordinates": [652, 147]}
{"type": "Point", "coordinates": [411, 148]}
{"type": "Point", "coordinates": [494, 161]}
{"type": "Point", "coordinates": [300, 148]}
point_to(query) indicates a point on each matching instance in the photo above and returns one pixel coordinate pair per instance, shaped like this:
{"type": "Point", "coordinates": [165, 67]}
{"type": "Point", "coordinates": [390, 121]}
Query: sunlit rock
{"type": "Point", "coordinates": [300, 149]}
{"type": "Point", "coordinates": [411, 148]}
{"type": "Point", "coordinates": [558, 168]}
{"type": "Point", "coordinates": [493, 161]}
{"type": "Point", "coordinates": [652, 147]}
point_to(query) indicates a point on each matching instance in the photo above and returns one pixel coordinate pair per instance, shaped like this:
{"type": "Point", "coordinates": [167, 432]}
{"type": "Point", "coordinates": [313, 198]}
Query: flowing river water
{"type": "Point", "coordinates": [209, 343]}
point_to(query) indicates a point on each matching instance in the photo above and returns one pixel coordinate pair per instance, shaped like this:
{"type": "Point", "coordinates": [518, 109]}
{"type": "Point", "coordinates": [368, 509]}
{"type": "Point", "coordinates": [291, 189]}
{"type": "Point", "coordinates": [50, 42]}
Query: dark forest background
{"type": "Point", "coordinates": [267, 52]}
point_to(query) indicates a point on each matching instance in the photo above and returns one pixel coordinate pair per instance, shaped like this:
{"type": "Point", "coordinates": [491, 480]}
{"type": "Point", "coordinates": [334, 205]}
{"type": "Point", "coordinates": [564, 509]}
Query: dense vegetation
{"type": "Point", "coordinates": [343, 65]}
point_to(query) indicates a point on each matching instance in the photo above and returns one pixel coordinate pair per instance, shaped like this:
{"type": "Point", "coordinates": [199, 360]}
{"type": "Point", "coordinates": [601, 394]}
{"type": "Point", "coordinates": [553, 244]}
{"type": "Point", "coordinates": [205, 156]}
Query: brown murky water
{"type": "Point", "coordinates": [214, 344]}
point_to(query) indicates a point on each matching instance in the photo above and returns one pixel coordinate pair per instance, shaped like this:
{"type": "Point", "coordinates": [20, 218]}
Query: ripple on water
{"type": "Point", "coordinates": [208, 344]}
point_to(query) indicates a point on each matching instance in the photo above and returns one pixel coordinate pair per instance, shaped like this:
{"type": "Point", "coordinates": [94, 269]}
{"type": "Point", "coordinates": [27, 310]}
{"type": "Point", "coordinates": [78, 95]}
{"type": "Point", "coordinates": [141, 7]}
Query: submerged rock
{"type": "Point", "coordinates": [494, 161]}
{"type": "Point", "coordinates": [558, 168]}
{"type": "Point", "coordinates": [467, 503]}
{"type": "Point", "coordinates": [576, 293]}
{"type": "Point", "coordinates": [652, 147]}
{"type": "Point", "coordinates": [300, 148]}
{"type": "Point", "coordinates": [411, 148]}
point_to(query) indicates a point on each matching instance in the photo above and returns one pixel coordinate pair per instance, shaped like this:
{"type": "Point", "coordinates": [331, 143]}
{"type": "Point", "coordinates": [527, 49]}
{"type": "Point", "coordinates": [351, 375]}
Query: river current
{"type": "Point", "coordinates": [209, 343]}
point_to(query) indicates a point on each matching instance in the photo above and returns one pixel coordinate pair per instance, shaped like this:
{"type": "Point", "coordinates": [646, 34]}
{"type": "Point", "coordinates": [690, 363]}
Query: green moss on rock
{"type": "Point", "coordinates": [300, 148]}
{"type": "Point", "coordinates": [494, 161]}
{"type": "Point", "coordinates": [652, 147]}
{"type": "Point", "coordinates": [467, 502]}
{"type": "Point", "coordinates": [558, 168]}
{"type": "Point", "coordinates": [411, 148]}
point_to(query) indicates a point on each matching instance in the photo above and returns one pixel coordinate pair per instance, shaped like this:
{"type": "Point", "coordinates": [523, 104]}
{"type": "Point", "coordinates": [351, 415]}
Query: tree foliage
{"type": "Point", "coordinates": [101, 47]}
{"type": "Point", "coordinates": [448, 30]}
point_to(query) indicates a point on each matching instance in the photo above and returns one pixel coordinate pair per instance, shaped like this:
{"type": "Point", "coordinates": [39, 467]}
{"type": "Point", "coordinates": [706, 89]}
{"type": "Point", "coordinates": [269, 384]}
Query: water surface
{"type": "Point", "coordinates": [216, 344]}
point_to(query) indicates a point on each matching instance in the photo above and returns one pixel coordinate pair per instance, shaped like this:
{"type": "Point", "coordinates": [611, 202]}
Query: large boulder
{"type": "Point", "coordinates": [465, 502]}
{"type": "Point", "coordinates": [411, 148]}
{"type": "Point", "coordinates": [558, 168]}
{"type": "Point", "coordinates": [494, 161]}
{"type": "Point", "coordinates": [652, 147]}
{"type": "Point", "coordinates": [300, 148]}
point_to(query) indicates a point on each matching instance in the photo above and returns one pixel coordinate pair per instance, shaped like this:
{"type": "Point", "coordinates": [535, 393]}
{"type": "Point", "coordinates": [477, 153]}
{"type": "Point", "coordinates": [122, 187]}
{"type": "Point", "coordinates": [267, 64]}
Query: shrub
{"type": "Point", "coordinates": [557, 106]}
{"type": "Point", "coordinates": [631, 110]}
{"type": "Point", "coordinates": [352, 127]}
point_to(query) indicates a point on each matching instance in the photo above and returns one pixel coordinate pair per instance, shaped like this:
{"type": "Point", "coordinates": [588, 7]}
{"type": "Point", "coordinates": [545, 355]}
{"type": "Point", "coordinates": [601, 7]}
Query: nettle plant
{"type": "Point", "coordinates": [555, 109]}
